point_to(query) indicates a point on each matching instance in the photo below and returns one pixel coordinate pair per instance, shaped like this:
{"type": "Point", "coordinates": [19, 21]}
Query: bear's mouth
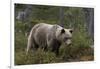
{"type": "Point", "coordinates": [69, 44]}
{"type": "Point", "coordinates": [66, 44]}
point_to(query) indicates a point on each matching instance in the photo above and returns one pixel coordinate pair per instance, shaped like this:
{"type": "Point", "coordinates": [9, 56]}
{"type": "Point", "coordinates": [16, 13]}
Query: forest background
{"type": "Point", "coordinates": [79, 18]}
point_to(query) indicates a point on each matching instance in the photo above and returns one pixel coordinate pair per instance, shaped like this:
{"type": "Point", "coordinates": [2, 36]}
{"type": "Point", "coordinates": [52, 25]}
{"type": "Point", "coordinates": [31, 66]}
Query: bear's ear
{"type": "Point", "coordinates": [62, 31]}
{"type": "Point", "coordinates": [71, 30]}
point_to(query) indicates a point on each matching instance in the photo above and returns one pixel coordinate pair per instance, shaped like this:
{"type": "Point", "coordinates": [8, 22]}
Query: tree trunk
{"type": "Point", "coordinates": [89, 14]}
{"type": "Point", "coordinates": [61, 16]}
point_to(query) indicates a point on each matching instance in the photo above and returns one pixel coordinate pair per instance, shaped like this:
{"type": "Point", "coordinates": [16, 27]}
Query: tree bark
{"type": "Point", "coordinates": [89, 14]}
{"type": "Point", "coordinates": [61, 16]}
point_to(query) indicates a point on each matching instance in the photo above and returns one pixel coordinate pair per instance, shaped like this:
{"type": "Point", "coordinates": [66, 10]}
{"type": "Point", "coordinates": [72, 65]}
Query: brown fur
{"type": "Point", "coordinates": [44, 36]}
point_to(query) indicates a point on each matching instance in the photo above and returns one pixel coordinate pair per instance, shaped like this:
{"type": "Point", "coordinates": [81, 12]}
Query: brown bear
{"type": "Point", "coordinates": [48, 37]}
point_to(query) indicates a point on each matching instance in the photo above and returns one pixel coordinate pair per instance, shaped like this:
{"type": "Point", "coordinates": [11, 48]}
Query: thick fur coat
{"type": "Point", "coordinates": [48, 37]}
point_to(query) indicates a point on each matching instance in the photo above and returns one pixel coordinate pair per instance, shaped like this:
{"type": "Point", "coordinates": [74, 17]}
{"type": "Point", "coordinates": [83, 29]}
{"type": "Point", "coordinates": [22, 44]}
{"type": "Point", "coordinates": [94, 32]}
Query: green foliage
{"type": "Point", "coordinates": [80, 50]}
{"type": "Point", "coordinates": [20, 41]}
{"type": "Point", "coordinates": [38, 57]}
{"type": "Point", "coordinates": [80, 47]}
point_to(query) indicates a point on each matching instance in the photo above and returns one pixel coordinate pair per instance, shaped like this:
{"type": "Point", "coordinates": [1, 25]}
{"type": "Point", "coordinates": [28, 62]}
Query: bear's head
{"type": "Point", "coordinates": [64, 35]}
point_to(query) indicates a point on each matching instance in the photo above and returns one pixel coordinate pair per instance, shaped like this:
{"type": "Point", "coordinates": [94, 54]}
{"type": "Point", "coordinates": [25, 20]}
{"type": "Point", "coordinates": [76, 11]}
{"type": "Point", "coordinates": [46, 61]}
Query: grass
{"type": "Point", "coordinates": [72, 53]}
{"type": "Point", "coordinates": [80, 50]}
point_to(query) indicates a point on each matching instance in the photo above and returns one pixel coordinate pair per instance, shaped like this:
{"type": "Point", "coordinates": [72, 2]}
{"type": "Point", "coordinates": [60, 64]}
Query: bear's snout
{"type": "Point", "coordinates": [68, 42]}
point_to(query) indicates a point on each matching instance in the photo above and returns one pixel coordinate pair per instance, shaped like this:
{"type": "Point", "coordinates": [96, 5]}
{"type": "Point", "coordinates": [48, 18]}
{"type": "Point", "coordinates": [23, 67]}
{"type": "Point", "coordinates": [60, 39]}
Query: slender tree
{"type": "Point", "coordinates": [61, 16]}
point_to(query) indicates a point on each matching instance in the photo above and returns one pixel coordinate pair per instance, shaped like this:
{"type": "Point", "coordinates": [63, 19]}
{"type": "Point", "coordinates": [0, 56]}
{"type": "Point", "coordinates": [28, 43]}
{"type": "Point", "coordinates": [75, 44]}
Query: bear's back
{"type": "Point", "coordinates": [40, 33]}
